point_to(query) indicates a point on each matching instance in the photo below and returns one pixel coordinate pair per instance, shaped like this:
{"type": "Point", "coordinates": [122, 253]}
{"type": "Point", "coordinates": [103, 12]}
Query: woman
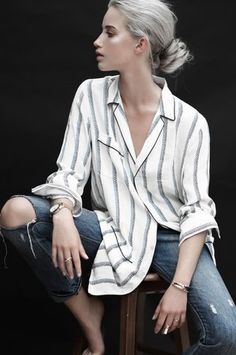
{"type": "Point", "coordinates": [148, 155]}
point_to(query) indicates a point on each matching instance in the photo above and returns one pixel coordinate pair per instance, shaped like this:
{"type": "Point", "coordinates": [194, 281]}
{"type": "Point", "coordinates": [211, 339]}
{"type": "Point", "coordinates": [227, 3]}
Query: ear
{"type": "Point", "coordinates": [142, 45]}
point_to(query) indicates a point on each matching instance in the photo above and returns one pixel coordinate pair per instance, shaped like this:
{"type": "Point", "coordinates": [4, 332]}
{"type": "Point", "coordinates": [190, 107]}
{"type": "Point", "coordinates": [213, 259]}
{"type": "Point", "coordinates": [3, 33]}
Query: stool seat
{"type": "Point", "coordinates": [152, 277]}
{"type": "Point", "coordinates": [132, 319]}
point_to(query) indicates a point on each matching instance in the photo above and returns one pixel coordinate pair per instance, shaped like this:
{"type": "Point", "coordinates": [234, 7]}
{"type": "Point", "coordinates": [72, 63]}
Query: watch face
{"type": "Point", "coordinates": [54, 208]}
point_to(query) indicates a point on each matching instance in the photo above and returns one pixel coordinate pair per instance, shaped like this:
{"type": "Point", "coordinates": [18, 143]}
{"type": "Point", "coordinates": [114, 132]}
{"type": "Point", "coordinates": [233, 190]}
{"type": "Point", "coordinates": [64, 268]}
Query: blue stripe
{"type": "Point", "coordinates": [160, 167]}
{"type": "Point", "coordinates": [196, 168]}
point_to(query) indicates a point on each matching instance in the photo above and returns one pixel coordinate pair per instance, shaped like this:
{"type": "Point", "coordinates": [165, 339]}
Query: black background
{"type": "Point", "coordinates": [47, 51]}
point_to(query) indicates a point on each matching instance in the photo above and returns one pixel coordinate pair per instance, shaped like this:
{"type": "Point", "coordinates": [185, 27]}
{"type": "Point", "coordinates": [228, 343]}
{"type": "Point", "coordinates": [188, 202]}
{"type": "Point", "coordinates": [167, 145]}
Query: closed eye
{"type": "Point", "coordinates": [110, 34]}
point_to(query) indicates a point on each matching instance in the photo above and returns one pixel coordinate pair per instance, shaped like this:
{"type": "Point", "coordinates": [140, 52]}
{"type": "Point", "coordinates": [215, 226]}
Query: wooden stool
{"type": "Point", "coordinates": [132, 310]}
{"type": "Point", "coordinates": [132, 319]}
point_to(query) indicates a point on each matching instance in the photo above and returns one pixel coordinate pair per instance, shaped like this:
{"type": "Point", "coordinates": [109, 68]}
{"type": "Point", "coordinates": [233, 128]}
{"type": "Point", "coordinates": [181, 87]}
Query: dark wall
{"type": "Point", "coordinates": [47, 51]}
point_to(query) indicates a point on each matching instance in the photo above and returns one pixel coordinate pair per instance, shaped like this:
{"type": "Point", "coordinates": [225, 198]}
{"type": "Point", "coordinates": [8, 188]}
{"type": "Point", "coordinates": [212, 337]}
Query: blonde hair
{"type": "Point", "coordinates": [155, 20]}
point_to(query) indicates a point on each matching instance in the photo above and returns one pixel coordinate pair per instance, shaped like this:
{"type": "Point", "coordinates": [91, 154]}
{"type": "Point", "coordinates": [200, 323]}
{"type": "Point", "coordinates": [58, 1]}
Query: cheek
{"type": "Point", "coordinates": [121, 42]}
{"type": "Point", "coordinates": [115, 46]}
{"type": "Point", "coordinates": [120, 49]}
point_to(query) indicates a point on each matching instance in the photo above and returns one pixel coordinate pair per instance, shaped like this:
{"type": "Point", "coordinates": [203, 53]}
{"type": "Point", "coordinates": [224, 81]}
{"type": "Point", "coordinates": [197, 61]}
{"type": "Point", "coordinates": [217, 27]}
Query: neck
{"type": "Point", "coordinates": [139, 90]}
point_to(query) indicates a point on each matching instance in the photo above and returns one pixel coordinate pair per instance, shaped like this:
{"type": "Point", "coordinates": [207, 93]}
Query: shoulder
{"type": "Point", "coordinates": [189, 115]}
{"type": "Point", "coordinates": [96, 85]}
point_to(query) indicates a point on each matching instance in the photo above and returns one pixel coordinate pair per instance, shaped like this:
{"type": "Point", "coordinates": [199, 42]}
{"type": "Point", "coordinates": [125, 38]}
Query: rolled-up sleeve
{"type": "Point", "coordinates": [198, 211]}
{"type": "Point", "coordinates": [74, 160]}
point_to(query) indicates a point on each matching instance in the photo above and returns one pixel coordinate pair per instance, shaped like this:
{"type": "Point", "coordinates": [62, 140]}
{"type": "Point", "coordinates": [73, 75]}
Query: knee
{"type": "Point", "coordinates": [16, 211]}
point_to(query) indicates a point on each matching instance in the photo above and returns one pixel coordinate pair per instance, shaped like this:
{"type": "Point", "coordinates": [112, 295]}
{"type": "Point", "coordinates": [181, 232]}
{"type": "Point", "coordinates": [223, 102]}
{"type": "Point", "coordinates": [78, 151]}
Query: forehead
{"type": "Point", "coordinates": [114, 18]}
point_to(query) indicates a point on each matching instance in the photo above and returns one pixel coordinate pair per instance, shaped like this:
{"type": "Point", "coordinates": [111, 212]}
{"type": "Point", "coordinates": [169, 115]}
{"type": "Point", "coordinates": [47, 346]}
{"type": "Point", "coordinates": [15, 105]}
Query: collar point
{"type": "Point", "coordinates": [168, 117]}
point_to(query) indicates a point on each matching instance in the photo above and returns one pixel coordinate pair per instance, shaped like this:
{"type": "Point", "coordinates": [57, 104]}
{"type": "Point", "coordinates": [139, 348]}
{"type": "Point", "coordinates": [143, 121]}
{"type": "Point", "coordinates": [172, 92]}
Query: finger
{"type": "Point", "coordinates": [160, 322]}
{"type": "Point", "coordinates": [82, 251]}
{"type": "Point", "coordinates": [76, 262]}
{"type": "Point", "coordinates": [182, 319]}
{"type": "Point", "coordinates": [61, 261]}
{"type": "Point", "coordinates": [54, 256]}
{"type": "Point", "coordinates": [167, 326]}
{"type": "Point", "coordinates": [69, 264]}
{"type": "Point", "coordinates": [156, 313]}
{"type": "Point", "coordinates": [175, 322]}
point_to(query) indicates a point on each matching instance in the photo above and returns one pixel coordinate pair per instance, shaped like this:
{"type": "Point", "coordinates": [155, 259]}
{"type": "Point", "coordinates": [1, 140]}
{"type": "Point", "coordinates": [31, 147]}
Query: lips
{"type": "Point", "coordinates": [98, 54]}
{"type": "Point", "coordinates": [99, 57]}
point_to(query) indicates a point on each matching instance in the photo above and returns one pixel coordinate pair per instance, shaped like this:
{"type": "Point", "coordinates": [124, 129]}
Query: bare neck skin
{"type": "Point", "coordinates": [139, 91]}
{"type": "Point", "coordinates": [141, 100]}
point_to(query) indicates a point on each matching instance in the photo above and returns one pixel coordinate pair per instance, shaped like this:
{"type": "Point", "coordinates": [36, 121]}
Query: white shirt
{"type": "Point", "coordinates": [166, 183]}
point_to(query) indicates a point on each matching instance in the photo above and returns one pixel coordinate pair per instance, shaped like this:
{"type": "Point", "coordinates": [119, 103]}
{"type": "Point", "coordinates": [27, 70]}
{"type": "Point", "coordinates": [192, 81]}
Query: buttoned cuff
{"type": "Point", "coordinates": [195, 223]}
{"type": "Point", "coordinates": [53, 191]}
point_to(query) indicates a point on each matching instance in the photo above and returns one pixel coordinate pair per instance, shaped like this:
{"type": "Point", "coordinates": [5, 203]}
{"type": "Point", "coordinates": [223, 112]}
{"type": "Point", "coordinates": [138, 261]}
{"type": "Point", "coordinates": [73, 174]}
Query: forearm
{"type": "Point", "coordinates": [189, 252]}
{"type": "Point", "coordinates": [67, 247]}
{"type": "Point", "coordinates": [171, 310]}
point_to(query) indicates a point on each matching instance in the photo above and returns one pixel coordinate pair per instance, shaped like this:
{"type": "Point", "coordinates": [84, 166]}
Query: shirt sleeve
{"type": "Point", "coordinates": [198, 211]}
{"type": "Point", "coordinates": [74, 160]}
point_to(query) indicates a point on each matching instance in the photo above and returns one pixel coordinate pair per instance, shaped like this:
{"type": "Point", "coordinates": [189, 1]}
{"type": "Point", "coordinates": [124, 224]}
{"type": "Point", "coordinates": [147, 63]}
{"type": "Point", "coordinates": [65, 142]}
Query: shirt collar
{"type": "Point", "coordinates": [168, 103]}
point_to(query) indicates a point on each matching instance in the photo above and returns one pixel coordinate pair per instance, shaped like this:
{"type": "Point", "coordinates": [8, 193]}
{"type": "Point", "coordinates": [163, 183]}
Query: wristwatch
{"type": "Point", "coordinates": [57, 207]}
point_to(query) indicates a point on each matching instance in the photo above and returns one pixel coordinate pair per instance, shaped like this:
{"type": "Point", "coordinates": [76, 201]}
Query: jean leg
{"type": "Point", "coordinates": [34, 243]}
{"type": "Point", "coordinates": [90, 234]}
{"type": "Point", "coordinates": [211, 311]}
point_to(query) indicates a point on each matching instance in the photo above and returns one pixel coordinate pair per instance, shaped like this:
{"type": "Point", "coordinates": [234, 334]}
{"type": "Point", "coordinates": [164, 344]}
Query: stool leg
{"type": "Point", "coordinates": [128, 323]}
{"type": "Point", "coordinates": [184, 334]}
{"type": "Point", "coordinates": [141, 303]}
{"type": "Point", "coordinates": [182, 339]}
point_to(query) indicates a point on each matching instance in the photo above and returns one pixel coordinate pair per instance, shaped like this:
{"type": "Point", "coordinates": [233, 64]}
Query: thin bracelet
{"type": "Point", "coordinates": [57, 207]}
{"type": "Point", "coordinates": [181, 286]}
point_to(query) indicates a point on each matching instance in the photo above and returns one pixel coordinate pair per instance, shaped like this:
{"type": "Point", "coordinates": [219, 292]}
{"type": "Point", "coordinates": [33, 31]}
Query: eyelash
{"type": "Point", "coordinates": [109, 34]}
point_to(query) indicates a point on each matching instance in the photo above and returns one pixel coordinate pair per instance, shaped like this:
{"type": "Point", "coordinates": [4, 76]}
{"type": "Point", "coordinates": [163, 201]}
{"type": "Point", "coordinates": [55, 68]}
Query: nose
{"type": "Point", "coordinates": [97, 43]}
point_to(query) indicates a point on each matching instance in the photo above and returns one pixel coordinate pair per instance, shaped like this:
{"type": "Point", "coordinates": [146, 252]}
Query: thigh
{"type": "Point", "coordinates": [89, 230]}
{"type": "Point", "coordinates": [166, 254]}
{"type": "Point", "coordinates": [210, 305]}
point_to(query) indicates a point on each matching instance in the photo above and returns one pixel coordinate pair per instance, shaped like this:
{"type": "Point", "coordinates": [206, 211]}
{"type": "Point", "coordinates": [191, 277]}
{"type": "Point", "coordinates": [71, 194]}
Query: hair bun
{"type": "Point", "coordinates": [174, 56]}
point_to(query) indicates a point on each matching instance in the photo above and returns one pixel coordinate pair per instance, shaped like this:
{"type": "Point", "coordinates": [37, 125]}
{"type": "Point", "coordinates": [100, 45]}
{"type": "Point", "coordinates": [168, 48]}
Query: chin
{"type": "Point", "coordinates": [105, 67]}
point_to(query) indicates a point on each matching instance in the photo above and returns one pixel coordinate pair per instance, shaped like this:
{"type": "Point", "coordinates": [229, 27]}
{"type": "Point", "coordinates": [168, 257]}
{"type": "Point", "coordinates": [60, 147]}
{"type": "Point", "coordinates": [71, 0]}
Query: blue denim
{"type": "Point", "coordinates": [34, 242]}
{"type": "Point", "coordinates": [211, 311]}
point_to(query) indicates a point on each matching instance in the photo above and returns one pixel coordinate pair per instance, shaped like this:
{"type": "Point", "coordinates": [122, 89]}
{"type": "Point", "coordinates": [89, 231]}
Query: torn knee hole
{"type": "Point", "coordinates": [17, 212]}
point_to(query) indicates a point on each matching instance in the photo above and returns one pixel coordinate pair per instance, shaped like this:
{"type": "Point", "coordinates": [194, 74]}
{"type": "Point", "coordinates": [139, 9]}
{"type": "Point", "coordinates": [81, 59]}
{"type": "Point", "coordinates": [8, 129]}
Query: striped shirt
{"type": "Point", "coordinates": [167, 183]}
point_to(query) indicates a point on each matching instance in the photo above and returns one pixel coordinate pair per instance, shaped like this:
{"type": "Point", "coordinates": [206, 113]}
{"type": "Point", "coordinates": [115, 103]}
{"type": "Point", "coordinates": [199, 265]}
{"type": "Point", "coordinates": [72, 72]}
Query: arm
{"type": "Point", "coordinates": [66, 243]}
{"type": "Point", "coordinates": [71, 246]}
{"type": "Point", "coordinates": [173, 304]}
{"type": "Point", "coordinates": [67, 185]}
{"type": "Point", "coordinates": [196, 221]}
{"type": "Point", "coordinates": [74, 160]}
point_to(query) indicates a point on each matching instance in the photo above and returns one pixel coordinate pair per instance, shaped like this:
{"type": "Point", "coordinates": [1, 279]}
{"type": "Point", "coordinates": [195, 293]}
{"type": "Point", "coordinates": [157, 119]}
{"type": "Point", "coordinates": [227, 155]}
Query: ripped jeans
{"type": "Point", "coordinates": [34, 242]}
{"type": "Point", "coordinates": [211, 311]}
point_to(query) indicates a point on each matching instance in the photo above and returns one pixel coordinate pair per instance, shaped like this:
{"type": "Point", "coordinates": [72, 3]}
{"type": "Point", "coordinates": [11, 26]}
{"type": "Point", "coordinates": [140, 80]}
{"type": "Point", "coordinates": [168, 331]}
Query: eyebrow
{"type": "Point", "coordinates": [109, 27]}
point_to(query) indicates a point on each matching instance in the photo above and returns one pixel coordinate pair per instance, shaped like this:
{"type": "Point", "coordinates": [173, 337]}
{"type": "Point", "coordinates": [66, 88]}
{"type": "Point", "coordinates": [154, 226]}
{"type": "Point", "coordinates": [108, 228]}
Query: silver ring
{"type": "Point", "coordinates": [165, 331]}
{"type": "Point", "coordinates": [68, 259]}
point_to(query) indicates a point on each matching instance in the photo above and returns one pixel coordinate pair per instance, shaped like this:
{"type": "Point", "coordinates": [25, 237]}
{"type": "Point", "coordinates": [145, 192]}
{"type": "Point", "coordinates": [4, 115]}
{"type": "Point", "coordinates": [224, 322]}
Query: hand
{"type": "Point", "coordinates": [171, 310]}
{"type": "Point", "coordinates": [66, 244]}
